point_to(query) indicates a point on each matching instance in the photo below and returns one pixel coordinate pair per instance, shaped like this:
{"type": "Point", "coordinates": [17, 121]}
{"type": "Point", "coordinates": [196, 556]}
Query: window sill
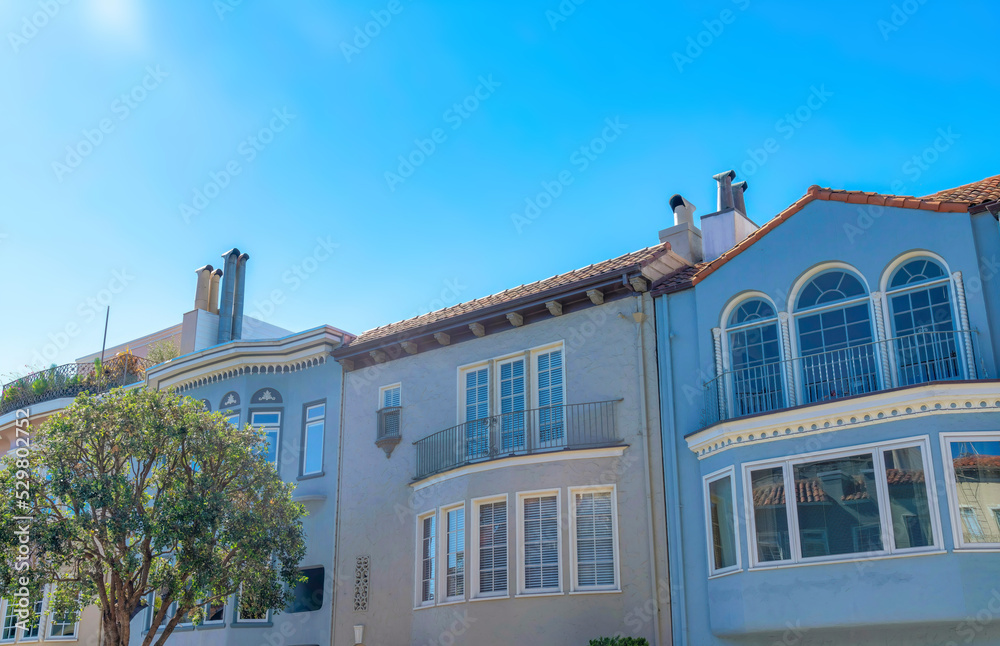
{"type": "Point", "coordinates": [490, 598]}
{"type": "Point", "coordinates": [251, 624]}
{"type": "Point", "coordinates": [451, 602]}
{"type": "Point", "coordinates": [608, 591]}
{"type": "Point", "coordinates": [528, 595]}
{"type": "Point", "coordinates": [311, 476]}
{"type": "Point", "coordinates": [425, 606]}
{"type": "Point", "coordinates": [62, 639]}
{"type": "Point", "coordinates": [211, 626]}
{"type": "Point", "coordinates": [881, 557]}
{"type": "Point", "coordinates": [976, 550]}
{"type": "Point", "coordinates": [719, 575]}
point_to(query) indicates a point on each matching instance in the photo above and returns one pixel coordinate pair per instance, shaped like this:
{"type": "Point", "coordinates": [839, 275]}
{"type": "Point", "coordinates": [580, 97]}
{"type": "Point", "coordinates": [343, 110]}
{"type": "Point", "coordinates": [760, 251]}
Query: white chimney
{"type": "Point", "coordinates": [684, 237]}
{"type": "Point", "coordinates": [729, 225]}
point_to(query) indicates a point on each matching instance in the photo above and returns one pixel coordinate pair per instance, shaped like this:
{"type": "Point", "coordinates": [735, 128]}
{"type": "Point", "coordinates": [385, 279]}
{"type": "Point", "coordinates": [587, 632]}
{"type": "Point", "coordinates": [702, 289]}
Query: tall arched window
{"type": "Point", "coordinates": [923, 327]}
{"type": "Point", "coordinates": [754, 357]}
{"type": "Point", "coordinates": [836, 343]}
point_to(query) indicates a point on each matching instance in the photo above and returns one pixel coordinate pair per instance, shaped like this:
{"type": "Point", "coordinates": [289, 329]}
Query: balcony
{"type": "Point", "coordinates": [858, 370]}
{"type": "Point", "coordinates": [388, 428]}
{"type": "Point", "coordinates": [71, 379]}
{"type": "Point", "coordinates": [527, 432]}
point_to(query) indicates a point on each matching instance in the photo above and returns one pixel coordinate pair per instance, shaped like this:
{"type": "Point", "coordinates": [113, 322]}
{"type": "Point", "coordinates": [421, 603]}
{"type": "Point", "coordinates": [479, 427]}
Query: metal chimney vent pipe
{"type": "Point", "coordinates": [725, 181]}
{"type": "Point", "coordinates": [739, 188]}
{"type": "Point", "coordinates": [203, 287]}
{"type": "Point", "coordinates": [213, 292]}
{"type": "Point", "coordinates": [228, 293]}
{"type": "Point", "coordinates": [683, 210]}
{"type": "Point", "coordinates": [241, 275]}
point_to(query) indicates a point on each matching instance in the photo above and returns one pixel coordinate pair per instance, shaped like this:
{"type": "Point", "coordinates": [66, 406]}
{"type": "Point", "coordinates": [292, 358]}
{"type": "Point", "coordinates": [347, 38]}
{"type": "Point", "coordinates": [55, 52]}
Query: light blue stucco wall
{"type": "Point", "coordinates": [297, 389]}
{"type": "Point", "coordinates": [937, 598]}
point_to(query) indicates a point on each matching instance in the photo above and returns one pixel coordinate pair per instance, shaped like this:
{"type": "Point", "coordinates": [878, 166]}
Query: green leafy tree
{"type": "Point", "coordinates": [164, 350]}
{"type": "Point", "coordinates": [619, 641]}
{"type": "Point", "coordinates": [138, 493]}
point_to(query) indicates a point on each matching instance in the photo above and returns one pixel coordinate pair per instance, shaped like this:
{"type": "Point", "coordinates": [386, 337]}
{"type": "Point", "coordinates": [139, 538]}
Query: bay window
{"type": "Point", "coordinates": [491, 548]}
{"type": "Point", "coordinates": [426, 548]}
{"type": "Point", "coordinates": [539, 538]}
{"type": "Point", "coordinates": [721, 525]}
{"type": "Point", "coordinates": [972, 465]}
{"type": "Point", "coordinates": [270, 423]}
{"type": "Point", "coordinates": [594, 538]}
{"type": "Point", "coordinates": [870, 500]}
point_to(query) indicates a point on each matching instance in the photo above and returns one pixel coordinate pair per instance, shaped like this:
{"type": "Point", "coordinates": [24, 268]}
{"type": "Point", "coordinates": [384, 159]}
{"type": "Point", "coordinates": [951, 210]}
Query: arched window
{"type": "Point", "coordinates": [923, 326]}
{"type": "Point", "coordinates": [836, 342]}
{"type": "Point", "coordinates": [754, 358]}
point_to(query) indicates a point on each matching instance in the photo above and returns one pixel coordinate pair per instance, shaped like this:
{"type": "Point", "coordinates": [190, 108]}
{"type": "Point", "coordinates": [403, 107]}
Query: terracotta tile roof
{"type": "Point", "coordinates": [985, 190]}
{"type": "Point", "coordinates": [812, 490]}
{"type": "Point", "coordinates": [978, 462]}
{"type": "Point", "coordinates": [901, 476]}
{"type": "Point", "coordinates": [832, 195]}
{"type": "Point", "coordinates": [629, 261]}
{"type": "Point", "coordinates": [675, 282]}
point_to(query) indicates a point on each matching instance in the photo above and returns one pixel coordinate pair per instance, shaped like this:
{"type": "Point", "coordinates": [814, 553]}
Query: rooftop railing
{"type": "Point", "coordinates": [856, 370]}
{"type": "Point", "coordinates": [71, 379]}
{"type": "Point", "coordinates": [541, 430]}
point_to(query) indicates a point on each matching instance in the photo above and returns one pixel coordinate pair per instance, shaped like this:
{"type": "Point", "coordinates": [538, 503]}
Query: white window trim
{"type": "Point", "coordinates": [952, 487]}
{"type": "Point", "coordinates": [521, 590]}
{"type": "Point", "coordinates": [575, 586]}
{"type": "Point", "coordinates": [238, 617]}
{"type": "Point", "coordinates": [381, 394]}
{"type": "Point", "coordinates": [876, 449]}
{"type": "Point", "coordinates": [460, 387]}
{"type": "Point", "coordinates": [472, 573]}
{"type": "Point", "coordinates": [265, 427]}
{"type": "Point", "coordinates": [21, 639]}
{"type": "Point", "coordinates": [5, 605]}
{"type": "Point", "coordinates": [904, 258]}
{"type": "Point", "coordinates": [306, 423]}
{"type": "Point", "coordinates": [62, 638]}
{"type": "Point", "coordinates": [215, 622]}
{"type": "Point", "coordinates": [729, 472]}
{"type": "Point", "coordinates": [442, 555]}
{"type": "Point", "coordinates": [418, 555]}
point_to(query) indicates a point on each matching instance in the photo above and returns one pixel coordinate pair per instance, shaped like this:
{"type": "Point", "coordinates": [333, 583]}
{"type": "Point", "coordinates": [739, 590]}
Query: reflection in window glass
{"type": "Point", "coordinates": [308, 593]}
{"type": "Point", "coordinates": [838, 506]}
{"type": "Point", "coordinates": [720, 494]}
{"type": "Point", "coordinates": [977, 484]}
{"type": "Point", "coordinates": [909, 506]}
{"type": "Point", "coordinates": [770, 515]}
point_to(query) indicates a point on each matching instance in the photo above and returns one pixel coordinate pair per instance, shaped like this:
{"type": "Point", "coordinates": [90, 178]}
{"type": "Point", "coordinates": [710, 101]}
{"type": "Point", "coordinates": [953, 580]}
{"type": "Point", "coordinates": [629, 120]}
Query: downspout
{"type": "Point", "coordinates": [640, 347]}
{"type": "Point", "coordinates": [678, 609]}
{"type": "Point", "coordinates": [336, 511]}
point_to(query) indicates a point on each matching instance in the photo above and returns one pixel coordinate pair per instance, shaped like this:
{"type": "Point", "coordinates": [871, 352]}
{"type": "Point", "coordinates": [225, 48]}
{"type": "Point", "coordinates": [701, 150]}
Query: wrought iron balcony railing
{"type": "Point", "coordinates": [388, 422]}
{"type": "Point", "coordinates": [573, 426]}
{"type": "Point", "coordinates": [857, 370]}
{"type": "Point", "coordinates": [71, 379]}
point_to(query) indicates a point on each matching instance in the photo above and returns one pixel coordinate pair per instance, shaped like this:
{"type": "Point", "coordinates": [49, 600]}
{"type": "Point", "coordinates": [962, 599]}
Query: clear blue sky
{"type": "Point", "coordinates": [886, 78]}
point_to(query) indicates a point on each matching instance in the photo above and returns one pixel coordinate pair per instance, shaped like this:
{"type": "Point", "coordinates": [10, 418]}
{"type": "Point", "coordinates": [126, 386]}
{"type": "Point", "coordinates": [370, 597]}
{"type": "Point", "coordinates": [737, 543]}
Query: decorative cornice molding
{"type": "Point", "coordinates": [853, 412]}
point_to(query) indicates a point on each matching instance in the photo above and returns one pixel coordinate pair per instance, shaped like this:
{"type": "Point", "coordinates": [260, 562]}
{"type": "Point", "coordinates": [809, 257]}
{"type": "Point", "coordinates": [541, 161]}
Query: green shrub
{"type": "Point", "coordinates": [619, 641]}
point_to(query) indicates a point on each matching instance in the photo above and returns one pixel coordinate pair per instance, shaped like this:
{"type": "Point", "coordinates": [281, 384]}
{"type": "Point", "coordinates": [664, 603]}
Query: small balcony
{"type": "Point", "coordinates": [527, 432]}
{"type": "Point", "coordinates": [857, 370]}
{"type": "Point", "coordinates": [72, 379]}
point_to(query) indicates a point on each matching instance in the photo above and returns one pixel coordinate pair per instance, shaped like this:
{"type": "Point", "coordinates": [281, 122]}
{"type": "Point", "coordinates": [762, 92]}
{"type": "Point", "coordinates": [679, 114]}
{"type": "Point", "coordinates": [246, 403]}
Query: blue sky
{"type": "Point", "coordinates": [290, 122]}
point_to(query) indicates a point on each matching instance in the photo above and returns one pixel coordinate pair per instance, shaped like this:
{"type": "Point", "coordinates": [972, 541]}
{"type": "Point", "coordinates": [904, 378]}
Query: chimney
{"type": "Point", "coordinates": [241, 274]}
{"type": "Point", "coordinates": [213, 292]}
{"type": "Point", "coordinates": [725, 181]}
{"type": "Point", "coordinates": [228, 294]}
{"type": "Point", "coordinates": [201, 292]}
{"type": "Point", "coordinates": [684, 237]}
{"type": "Point", "coordinates": [728, 226]}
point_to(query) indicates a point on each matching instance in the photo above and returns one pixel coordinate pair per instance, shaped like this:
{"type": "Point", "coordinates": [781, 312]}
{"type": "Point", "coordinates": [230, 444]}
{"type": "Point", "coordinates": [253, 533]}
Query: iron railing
{"type": "Point", "coordinates": [573, 426]}
{"type": "Point", "coordinates": [388, 422]}
{"type": "Point", "coordinates": [72, 379]}
{"type": "Point", "coordinates": [901, 361]}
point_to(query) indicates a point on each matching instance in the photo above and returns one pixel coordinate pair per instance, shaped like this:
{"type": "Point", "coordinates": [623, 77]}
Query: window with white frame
{"type": "Point", "coordinates": [63, 624]}
{"type": "Point", "coordinates": [476, 394]}
{"type": "Point", "coordinates": [869, 500]}
{"type": "Point", "coordinates": [721, 522]}
{"type": "Point", "coordinates": [390, 408]}
{"type": "Point", "coordinates": [34, 623]}
{"type": "Point", "coordinates": [837, 355]}
{"type": "Point", "coordinates": [426, 548]}
{"type": "Point", "coordinates": [215, 612]}
{"type": "Point", "coordinates": [972, 465]}
{"type": "Point", "coordinates": [755, 369]}
{"type": "Point", "coordinates": [9, 629]}
{"type": "Point", "coordinates": [926, 347]}
{"type": "Point", "coordinates": [491, 548]}
{"type": "Point", "coordinates": [312, 439]}
{"type": "Point", "coordinates": [248, 610]}
{"type": "Point", "coordinates": [513, 403]}
{"type": "Point", "coordinates": [594, 538]}
{"type": "Point", "coordinates": [551, 414]}
{"type": "Point", "coordinates": [539, 539]}
{"type": "Point", "coordinates": [454, 525]}
{"type": "Point", "coordinates": [270, 423]}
